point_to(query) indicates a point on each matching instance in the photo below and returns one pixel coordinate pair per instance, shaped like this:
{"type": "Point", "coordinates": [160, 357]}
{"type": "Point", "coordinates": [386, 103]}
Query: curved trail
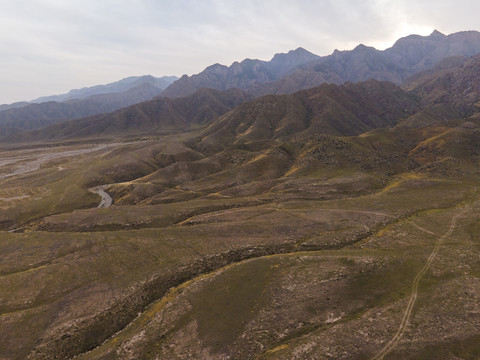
{"type": "Point", "coordinates": [408, 311]}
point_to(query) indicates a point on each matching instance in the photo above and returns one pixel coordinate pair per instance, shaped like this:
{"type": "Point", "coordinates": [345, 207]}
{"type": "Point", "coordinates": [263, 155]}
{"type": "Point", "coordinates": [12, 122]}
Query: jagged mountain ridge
{"type": "Point", "coordinates": [340, 110]}
{"type": "Point", "coordinates": [407, 56]}
{"type": "Point", "coordinates": [240, 74]}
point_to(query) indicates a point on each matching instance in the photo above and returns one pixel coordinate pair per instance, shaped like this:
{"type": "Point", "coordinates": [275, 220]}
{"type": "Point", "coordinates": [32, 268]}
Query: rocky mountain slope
{"type": "Point", "coordinates": [406, 57]}
{"type": "Point", "coordinates": [455, 81]}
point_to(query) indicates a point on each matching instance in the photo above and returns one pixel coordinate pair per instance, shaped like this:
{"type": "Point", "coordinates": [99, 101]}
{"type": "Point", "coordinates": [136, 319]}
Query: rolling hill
{"type": "Point", "coordinates": [341, 110]}
{"type": "Point", "coordinates": [349, 109]}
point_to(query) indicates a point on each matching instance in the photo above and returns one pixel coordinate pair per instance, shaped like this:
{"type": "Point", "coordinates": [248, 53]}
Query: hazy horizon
{"type": "Point", "coordinates": [51, 46]}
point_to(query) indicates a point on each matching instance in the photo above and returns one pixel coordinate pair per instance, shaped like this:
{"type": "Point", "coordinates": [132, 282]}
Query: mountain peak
{"type": "Point", "coordinates": [297, 53]}
{"type": "Point", "coordinates": [284, 62]}
{"type": "Point", "coordinates": [363, 47]}
{"type": "Point", "coordinates": [437, 34]}
{"type": "Point", "coordinates": [300, 51]}
{"type": "Point", "coordinates": [216, 66]}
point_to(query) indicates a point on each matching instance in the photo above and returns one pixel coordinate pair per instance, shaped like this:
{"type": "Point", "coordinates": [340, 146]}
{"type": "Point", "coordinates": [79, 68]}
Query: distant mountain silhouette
{"type": "Point", "coordinates": [14, 105]}
{"type": "Point", "coordinates": [115, 87]}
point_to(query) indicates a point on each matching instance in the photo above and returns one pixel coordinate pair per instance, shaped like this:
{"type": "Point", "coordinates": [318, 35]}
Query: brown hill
{"type": "Point", "coordinates": [453, 151]}
{"type": "Point", "coordinates": [346, 110]}
{"type": "Point", "coordinates": [155, 116]}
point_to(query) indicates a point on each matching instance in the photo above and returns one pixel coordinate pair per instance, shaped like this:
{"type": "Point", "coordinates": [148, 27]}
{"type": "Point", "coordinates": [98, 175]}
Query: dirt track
{"type": "Point", "coordinates": [413, 297]}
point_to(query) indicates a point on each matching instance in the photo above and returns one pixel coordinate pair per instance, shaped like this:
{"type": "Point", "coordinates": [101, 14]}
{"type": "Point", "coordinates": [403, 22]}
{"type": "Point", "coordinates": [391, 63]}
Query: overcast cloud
{"type": "Point", "coordinates": [51, 46]}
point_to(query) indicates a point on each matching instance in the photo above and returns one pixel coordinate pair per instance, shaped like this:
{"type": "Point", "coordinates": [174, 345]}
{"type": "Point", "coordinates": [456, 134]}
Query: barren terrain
{"type": "Point", "coordinates": [328, 262]}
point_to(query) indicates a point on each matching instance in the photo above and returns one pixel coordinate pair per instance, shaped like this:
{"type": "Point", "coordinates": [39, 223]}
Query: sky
{"type": "Point", "coordinates": [51, 46]}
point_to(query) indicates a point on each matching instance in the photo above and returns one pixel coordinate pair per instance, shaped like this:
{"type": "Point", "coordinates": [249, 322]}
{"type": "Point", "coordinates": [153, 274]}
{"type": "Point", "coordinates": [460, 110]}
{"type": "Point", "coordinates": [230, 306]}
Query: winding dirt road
{"type": "Point", "coordinates": [107, 200]}
{"type": "Point", "coordinates": [413, 298]}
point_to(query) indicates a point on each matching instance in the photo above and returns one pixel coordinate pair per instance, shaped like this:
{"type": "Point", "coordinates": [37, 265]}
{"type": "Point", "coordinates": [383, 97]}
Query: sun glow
{"type": "Point", "coordinates": [403, 30]}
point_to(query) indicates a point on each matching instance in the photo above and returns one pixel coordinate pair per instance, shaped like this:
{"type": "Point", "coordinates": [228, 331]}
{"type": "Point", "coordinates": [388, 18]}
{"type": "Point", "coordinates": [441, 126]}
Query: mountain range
{"type": "Point", "coordinates": [446, 92]}
{"type": "Point", "coordinates": [299, 69]}
{"type": "Point", "coordinates": [240, 75]}
{"type": "Point", "coordinates": [284, 74]}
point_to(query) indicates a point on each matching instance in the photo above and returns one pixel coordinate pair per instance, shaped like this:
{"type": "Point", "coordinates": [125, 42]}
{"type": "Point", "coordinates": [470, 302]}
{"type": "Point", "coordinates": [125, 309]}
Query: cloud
{"type": "Point", "coordinates": [51, 46]}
